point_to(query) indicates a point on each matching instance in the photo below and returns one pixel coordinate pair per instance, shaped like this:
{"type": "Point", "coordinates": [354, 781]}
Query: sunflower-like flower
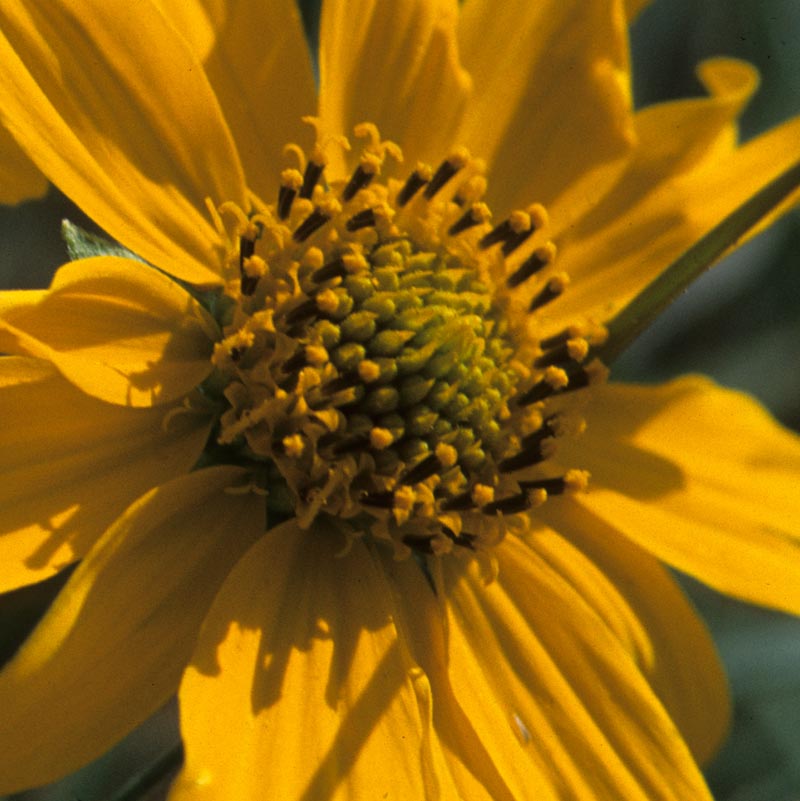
{"type": "Point", "coordinates": [332, 442]}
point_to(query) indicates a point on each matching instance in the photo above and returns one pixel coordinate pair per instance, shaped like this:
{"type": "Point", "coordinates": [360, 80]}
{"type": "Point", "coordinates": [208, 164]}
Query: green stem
{"type": "Point", "coordinates": [148, 778]}
{"type": "Point", "coordinates": [656, 296]}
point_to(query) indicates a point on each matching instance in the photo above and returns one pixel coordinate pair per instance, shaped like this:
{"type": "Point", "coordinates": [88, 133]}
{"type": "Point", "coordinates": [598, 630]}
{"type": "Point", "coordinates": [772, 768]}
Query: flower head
{"type": "Point", "coordinates": [332, 438]}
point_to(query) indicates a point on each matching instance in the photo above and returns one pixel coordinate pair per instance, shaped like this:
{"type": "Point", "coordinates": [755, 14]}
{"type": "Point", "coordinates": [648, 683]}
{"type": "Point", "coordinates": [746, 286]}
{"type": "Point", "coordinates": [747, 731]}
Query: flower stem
{"type": "Point", "coordinates": [656, 296]}
{"type": "Point", "coordinates": [148, 778]}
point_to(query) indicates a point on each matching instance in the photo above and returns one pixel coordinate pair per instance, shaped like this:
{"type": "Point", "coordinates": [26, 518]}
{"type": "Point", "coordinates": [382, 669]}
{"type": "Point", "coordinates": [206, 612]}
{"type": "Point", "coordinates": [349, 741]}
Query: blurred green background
{"type": "Point", "coordinates": [740, 324]}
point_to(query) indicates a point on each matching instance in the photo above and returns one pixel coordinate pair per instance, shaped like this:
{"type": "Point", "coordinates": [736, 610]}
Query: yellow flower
{"type": "Point", "coordinates": [324, 462]}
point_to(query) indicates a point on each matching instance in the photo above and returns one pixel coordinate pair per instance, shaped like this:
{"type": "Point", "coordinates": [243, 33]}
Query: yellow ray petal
{"type": "Point", "coordinates": [701, 477]}
{"type": "Point", "coordinates": [555, 698]}
{"type": "Point", "coordinates": [133, 134]}
{"type": "Point", "coordinates": [112, 647]}
{"type": "Point", "coordinates": [70, 464]}
{"type": "Point", "coordinates": [552, 99]}
{"type": "Point", "coordinates": [300, 684]}
{"type": "Point", "coordinates": [475, 766]}
{"type": "Point", "coordinates": [256, 57]}
{"type": "Point", "coordinates": [394, 64]}
{"type": "Point", "coordinates": [19, 178]}
{"type": "Point", "coordinates": [675, 189]}
{"type": "Point", "coordinates": [648, 613]}
{"type": "Point", "coordinates": [121, 331]}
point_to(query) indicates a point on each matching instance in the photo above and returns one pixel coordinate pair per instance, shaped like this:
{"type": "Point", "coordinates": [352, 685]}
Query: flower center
{"type": "Point", "coordinates": [375, 360]}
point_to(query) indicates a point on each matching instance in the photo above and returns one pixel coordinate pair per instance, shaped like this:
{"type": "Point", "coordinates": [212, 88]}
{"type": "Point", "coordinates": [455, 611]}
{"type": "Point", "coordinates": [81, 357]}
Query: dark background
{"type": "Point", "coordinates": [740, 324]}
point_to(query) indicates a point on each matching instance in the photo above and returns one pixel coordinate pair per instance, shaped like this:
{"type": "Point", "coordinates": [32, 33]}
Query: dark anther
{"type": "Point", "coordinates": [500, 233]}
{"type": "Point", "coordinates": [464, 539]}
{"type": "Point", "coordinates": [425, 469]}
{"type": "Point", "coordinates": [465, 221]}
{"type": "Point", "coordinates": [308, 308]}
{"type": "Point", "coordinates": [458, 503]}
{"type": "Point", "coordinates": [532, 265]}
{"type": "Point", "coordinates": [363, 219]}
{"type": "Point", "coordinates": [312, 223]}
{"type": "Point", "coordinates": [247, 247]}
{"type": "Point", "coordinates": [578, 379]}
{"type": "Point", "coordinates": [553, 486]}
{"type": "Point", "coordinates": [248, 284]}
{"type": "Point", "coordinates": [310, 177]}
{"type": "Point", "coordinates": [549, 292]}
{"type": "Point", "coordinates": [358, 180]}
{"type": "Point", "coordinates": [557, 339]}
{"type": "Point", "coordinates": [236, 354]}
{"type": "Point", "coordinates": [514, 241]}
{"type": "Point", "coordinates": [510, 505]}
{"type": "Point", "coordinates": [413, 184]}
{"type": "Point", "coordinates": [383, 500]}
{"type": "Point", "coordinates": [539, 391]}
{"type": "Point", "coordinates": [560, 354]}
{"type": "Point", "coordinates": [296, 361]}
{"type": "Point", "coordinates": [333, 269]}
{"type": "Point", "coordinates": [419, 544]}
{"type": "Point", "coordinates": [525, 458]}
{"type": "Point", "coordinates": [442, 175]}
{"type": "Point", "coordinates": [286, 196]}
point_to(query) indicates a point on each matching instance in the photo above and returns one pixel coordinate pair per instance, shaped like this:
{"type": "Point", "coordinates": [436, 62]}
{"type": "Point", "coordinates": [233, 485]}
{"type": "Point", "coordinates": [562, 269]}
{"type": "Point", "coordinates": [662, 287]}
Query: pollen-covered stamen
{"type": "Point", "coordinates": [573, 350]}
{"type": "Point", "coordinates": [446, 170]}
{"type": "Point", "coordinates": [311, 176]}
{"type": "Point", "coordinates": [291, 181]}
{"type": "Point", "coordinates": [554, 287]}
{"type": "Point", "coordinates": [318, 217]}
{"type": "Point", "coordinates": [476, 214]}
{"type": "Point", "coordinates": [377, 369]}
{"type": "Point", "coordinates": [535, 263]}
{"type": "Point", "coordinates": [515, 229]}
{"type": "Point", "coordinates": [418, 178]}
{"type": "Point", "coordinates": [556, 380]}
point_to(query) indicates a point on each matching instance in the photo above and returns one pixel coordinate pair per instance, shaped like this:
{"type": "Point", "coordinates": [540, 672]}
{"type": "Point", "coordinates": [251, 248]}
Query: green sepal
{"type": "Point", "coordinates": [84, 245]}
{"type": "Point", "coordinates": [631, 321]}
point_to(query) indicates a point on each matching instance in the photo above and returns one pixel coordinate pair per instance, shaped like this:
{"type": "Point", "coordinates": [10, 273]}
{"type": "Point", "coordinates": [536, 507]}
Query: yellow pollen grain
{"type": "Point", "coordinates": [556, 377]}
{"type": "Point", "coordinates": [519, 222]}
{"type": "Point", "coordinates": [317, 355]}
{"type": "Point", "coordinates": [577, 349]}
{"type": "Point", "coordinates": [330, 206]}
{"type": "Point", "coordinates": [380, 438]}
{"type": "Point", "coordinates": [369, 371]}
{"type": "Point", "coordinates": [482, 494]}
{"type": "Point", "coordinates": [293, 445]}
{"type": "Point", "coordinates": [537, 496]}
{"type": "Point", "coordinates": [425, 171]}
{"type": "Point", "coordinates": [254, 267]}
{"type": "Point", "coordinates": [538, 215]}
{"type": "Point", "coordinates": [327, 301]}
{"type": "Point", "coordinates": [459, 158]}
{"type": "Point", "coordinates": [313, 258]}
{"type": "Point", "coordinates": [292, 179]}
{"type": "Point", "coordinates": [473, 189]}
{"type": "Point", "coordinates": [576, 480]}
{"type": "Point", "coordinates": [355, 263]}
{"type": "Point", "coordinates": [446, 454]}
{"type": "Point", "coordinates": [370, 163]}
{"type": "Point", "coordinates": [558, 283]}
{"type": "Point", "coordinates": [480, 212]}
{"type": "Point", "coordinates": [547, 255]}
